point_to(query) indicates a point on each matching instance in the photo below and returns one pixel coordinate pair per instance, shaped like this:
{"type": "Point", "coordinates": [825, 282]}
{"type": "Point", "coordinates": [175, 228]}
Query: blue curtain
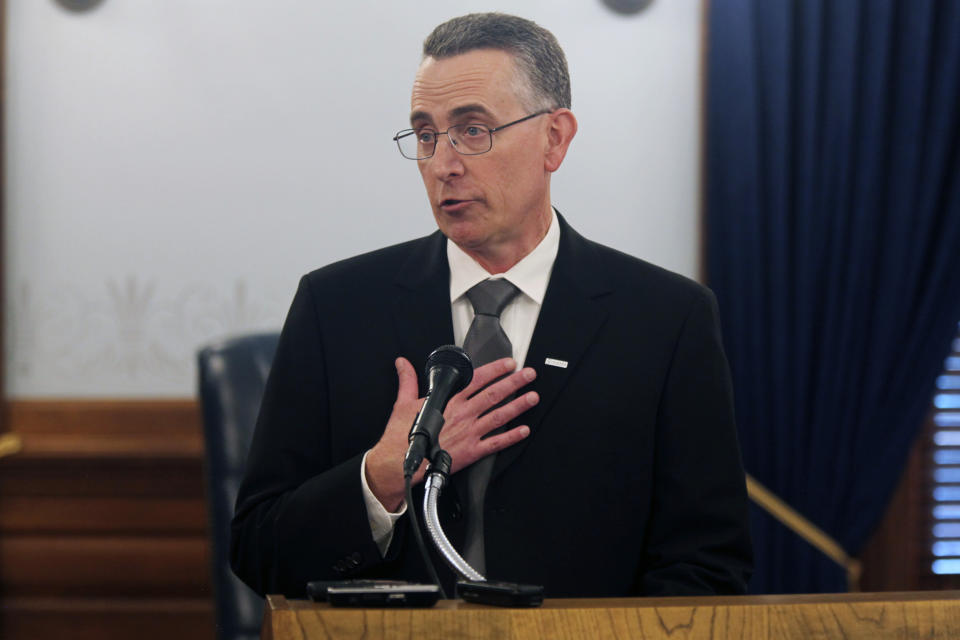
{"type": "Point", "coordinates": [833, 245]}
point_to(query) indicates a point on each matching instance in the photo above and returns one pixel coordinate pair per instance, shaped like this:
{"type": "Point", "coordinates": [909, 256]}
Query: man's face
{"type": "Point", "coordinates": [498, 202]}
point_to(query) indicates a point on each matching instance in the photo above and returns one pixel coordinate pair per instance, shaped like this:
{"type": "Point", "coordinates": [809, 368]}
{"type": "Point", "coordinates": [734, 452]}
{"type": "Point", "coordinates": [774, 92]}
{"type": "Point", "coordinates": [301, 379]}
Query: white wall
{"type": "Point", "coordinates": [174, 166]}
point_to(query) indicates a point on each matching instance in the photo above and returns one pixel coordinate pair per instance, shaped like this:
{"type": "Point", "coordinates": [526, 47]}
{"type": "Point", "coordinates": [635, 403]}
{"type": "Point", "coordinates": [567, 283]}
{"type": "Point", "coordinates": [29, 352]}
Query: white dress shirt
{"type": "Point", "coordinates": [531, 276]}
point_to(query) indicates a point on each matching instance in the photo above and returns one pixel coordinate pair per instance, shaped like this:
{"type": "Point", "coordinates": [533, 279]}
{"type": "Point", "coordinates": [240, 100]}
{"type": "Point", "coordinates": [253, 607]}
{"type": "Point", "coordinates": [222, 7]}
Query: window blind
{"type": "Point", "coordinates": [945, 463]}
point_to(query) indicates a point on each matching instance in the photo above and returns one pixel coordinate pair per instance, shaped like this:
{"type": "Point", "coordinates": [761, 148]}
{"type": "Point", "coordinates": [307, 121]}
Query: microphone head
{"type": "Point", "coordinates": [454, 357]}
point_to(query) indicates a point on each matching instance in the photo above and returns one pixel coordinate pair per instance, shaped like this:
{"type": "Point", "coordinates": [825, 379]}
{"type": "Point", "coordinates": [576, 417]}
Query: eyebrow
{"type": "Point", "coordinates": [458, 112]}
{"type": "Point", "coordinates": [469, 109]}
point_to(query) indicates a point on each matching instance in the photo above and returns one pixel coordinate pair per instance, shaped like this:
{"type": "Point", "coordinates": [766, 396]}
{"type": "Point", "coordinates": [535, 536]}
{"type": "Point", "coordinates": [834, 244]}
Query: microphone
{"type": "Point", "coordinates": [449, 371]}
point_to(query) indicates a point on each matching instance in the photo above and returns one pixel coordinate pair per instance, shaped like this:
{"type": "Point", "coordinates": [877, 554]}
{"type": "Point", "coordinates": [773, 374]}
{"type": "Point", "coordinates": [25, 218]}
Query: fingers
{"type": "Point", "coordinates": [502, 415]}
{"type": "Point", "coordinates": [482, 376]}
{"type": "Point", "coordinates": [487, 446]}
{"type": "Point", "coordinates": [474, 412]}
{"type": "Point", "coordinates": [407, 377]}
{"type": "Point", "coordinates": [495, 393]}
{"type": "Point", "coordinates": [501, 441]}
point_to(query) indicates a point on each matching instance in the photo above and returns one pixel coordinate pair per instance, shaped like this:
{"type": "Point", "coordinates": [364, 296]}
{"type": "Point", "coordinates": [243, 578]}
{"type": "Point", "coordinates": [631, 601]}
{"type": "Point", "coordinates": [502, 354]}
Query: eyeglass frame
{"type": "Point", "coordinates": [408, 132]}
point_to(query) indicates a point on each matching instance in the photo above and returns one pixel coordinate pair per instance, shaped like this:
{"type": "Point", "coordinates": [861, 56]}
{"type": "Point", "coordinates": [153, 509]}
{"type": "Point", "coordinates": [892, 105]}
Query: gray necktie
{"type": "Point", "coordinates": [485, 342]}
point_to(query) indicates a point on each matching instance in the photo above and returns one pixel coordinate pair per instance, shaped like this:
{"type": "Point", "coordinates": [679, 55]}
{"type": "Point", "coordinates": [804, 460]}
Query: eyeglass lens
{"type": "Point", "coordinates": [468, 139]}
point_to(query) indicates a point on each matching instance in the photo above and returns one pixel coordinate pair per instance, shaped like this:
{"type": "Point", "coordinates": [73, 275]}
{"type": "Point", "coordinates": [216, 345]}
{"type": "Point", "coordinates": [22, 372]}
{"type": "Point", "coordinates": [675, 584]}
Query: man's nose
{"type": "Point", "coordinates": [446, 161]}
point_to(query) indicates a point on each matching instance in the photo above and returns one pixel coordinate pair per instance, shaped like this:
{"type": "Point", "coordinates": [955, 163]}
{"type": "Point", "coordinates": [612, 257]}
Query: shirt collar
{"type": "Point", "coordinates": [531, 275]}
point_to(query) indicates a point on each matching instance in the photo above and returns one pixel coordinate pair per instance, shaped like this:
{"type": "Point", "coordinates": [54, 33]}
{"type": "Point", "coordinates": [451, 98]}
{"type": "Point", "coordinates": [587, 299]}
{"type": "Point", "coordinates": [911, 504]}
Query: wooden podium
{"type": "Point", "coordinates": [914, 615]}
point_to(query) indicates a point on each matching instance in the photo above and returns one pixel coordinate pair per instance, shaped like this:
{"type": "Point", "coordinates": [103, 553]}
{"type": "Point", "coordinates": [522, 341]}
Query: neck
{"type": "Point", "coordinates": [502, 258]}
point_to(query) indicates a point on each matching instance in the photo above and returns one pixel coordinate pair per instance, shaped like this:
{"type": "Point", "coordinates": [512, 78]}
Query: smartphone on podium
{"type": "Point", "coordinates": [373, 593]}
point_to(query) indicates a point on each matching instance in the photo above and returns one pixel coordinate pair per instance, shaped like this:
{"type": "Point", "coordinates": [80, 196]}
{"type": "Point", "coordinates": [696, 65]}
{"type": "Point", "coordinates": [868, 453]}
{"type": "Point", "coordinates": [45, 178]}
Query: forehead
{"type": "Point", "coordinates": [482, 78]}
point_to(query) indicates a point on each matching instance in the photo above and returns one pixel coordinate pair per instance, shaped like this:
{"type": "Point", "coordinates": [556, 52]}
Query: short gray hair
{"type": "Point", "coordinates": [539, 59]}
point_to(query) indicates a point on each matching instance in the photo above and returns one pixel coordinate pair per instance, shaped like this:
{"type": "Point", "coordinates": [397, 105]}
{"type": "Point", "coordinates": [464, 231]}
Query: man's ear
{"type": "Point", "coordinates": [563, 126]}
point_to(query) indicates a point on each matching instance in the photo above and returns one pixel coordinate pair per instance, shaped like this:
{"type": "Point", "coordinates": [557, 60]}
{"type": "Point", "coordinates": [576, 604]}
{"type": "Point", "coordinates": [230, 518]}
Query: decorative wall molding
{"type": "Point", "coordinates": [124, 336]}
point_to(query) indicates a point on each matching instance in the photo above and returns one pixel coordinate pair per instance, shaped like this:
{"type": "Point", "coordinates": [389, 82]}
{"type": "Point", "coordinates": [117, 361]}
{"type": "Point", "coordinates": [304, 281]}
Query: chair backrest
{"type": "Point", "coordinates": [232, 375]}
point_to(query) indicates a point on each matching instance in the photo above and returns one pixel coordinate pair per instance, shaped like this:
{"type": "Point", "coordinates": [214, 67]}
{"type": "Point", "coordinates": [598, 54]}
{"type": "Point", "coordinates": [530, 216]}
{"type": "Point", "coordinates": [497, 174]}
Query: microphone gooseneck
{"type": "Point", "coordinates": [437, 477]}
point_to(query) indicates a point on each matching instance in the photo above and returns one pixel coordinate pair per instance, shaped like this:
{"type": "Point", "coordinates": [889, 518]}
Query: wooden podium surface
{"type": "Point", "coordinates": [930, 614]}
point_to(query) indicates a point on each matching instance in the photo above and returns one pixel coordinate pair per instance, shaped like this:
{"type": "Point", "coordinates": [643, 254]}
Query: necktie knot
{"type": "Point", "coordinates": [490, 297]}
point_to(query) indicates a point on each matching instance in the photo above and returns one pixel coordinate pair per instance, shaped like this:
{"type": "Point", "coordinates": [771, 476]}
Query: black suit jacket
{"type": "Point", "coordinates": [630, 482]}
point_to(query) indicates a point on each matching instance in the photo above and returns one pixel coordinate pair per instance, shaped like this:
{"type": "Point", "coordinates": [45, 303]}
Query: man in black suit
{"type": "Point", "coordinates": [617, 470]}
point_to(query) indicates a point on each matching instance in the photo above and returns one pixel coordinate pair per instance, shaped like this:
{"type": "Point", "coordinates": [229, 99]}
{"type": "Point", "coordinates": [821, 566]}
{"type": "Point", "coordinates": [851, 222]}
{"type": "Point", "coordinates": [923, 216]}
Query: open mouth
{"type": "Point", "coordinates": [452, 205]}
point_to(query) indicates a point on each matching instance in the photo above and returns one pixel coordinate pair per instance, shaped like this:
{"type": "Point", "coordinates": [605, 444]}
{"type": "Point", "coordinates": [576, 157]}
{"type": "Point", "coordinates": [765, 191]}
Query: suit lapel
{"type": "Point", "coordinates": [571, 315]}
{"type": "Point", "coordinates": [421, 303]}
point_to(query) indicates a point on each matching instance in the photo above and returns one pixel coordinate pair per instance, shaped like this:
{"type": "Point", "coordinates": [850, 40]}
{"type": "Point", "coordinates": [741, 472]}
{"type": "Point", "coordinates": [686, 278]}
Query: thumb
{"type": "Point", "coordinates": [407, 377]}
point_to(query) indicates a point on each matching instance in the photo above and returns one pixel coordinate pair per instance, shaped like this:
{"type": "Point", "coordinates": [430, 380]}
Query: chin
{"type": "Point", "coordinates": [462, 239]}
{"type": "Point", "coordinates": [460, 231]}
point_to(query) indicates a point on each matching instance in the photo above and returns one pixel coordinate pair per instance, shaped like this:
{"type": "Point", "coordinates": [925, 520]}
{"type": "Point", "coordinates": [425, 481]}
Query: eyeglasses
{"type": "Point", "coordinates": [466, 139]}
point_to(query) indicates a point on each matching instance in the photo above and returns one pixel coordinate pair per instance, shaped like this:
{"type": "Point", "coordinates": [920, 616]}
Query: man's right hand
{"type": "Point", "coordinates": [466, 424]}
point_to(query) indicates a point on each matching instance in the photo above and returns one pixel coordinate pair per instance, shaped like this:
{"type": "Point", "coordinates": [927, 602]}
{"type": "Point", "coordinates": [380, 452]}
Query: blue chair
{"type": "Point", "coordinates": [232, 375]}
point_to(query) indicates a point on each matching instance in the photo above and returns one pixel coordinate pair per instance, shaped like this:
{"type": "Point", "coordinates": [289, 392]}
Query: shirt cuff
{"type": "Point", "coordinates": [381, 521]}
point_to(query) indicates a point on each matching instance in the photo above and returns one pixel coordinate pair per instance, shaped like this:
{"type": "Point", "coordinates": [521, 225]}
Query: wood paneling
{"type": "Point", "coordinates": [140, 417]}
{"type": "Point", "coordinates": [100, 619]}
{"type": "Point", "coordinates": [103, 522]}
{"type": "Point", "coordinates": [104, 566]}
{"type": "Point", "coordinates": [127, 515]}
{"type": "Point", "coordinates": [893, 556]}
{"type": "Point", "coordinates": [849, 616]}
{"type": "Point", "coordinates": [32, 475]}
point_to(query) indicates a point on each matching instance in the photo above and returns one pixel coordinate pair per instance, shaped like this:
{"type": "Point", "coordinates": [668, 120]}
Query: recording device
{"type": "Point", "coordinates": [500, 594]}
{"type": "Point", "coordinates": [373, 593]}
{"type": "Point", "coordinates": [449, 371]}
